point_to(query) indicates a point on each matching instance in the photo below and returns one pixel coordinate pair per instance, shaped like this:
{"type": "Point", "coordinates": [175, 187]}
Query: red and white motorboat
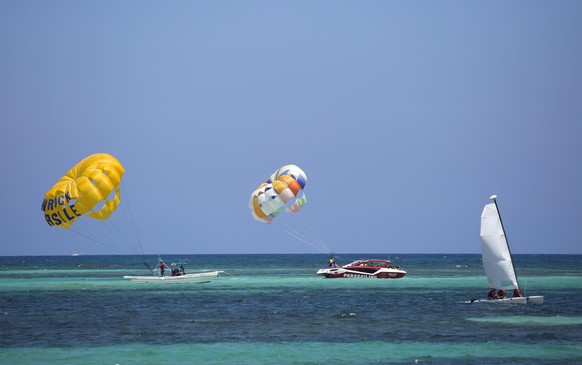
{"type": "Point", "coordinates": [381, 269]}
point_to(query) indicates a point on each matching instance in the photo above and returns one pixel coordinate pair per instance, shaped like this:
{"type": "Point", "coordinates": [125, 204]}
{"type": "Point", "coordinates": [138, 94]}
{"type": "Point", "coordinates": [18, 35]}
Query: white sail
{"type": "Point", "coordinates": [495, 252]}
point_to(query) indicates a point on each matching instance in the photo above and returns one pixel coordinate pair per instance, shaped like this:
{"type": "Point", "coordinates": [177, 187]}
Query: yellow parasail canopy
{"type": "Point", "coordinates": [91, 188]}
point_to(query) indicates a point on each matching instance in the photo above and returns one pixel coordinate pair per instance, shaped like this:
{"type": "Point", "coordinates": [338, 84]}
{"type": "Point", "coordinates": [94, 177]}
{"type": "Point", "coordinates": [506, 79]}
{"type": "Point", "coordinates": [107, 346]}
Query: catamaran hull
{"type": "Point", "coordinates": [203, 277]}
{"type": "Point", "coordinates": [335, 273]}
{"type": "Point", "coordinates": [537, 299]}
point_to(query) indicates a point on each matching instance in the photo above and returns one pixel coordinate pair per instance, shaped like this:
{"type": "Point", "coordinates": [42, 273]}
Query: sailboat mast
{"type": "Point", "coordinates": [494, 198]}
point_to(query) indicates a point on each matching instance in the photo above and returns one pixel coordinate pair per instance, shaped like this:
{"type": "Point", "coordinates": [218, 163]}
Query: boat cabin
{"type": "Point", "coordinates": [370, 263]}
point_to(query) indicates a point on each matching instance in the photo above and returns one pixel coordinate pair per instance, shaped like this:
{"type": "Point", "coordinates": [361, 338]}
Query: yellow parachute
{"type": "Point", "coordinates": [283, 190]}
{"type": "Point", "coordinates": [91, 188]}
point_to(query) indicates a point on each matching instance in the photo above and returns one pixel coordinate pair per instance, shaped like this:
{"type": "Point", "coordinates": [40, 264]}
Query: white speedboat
{"type": "Point", "coordinates": [174, 274]}
{"type": "Point", "coordinates": [202, 277]}
{"type": "Point", "coordinates": [380, 269]}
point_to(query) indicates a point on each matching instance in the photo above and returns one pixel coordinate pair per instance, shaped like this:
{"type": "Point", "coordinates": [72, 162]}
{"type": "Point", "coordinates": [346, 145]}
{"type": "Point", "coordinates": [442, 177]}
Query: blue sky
{"type": "Point", "coordinates": [405, 115]}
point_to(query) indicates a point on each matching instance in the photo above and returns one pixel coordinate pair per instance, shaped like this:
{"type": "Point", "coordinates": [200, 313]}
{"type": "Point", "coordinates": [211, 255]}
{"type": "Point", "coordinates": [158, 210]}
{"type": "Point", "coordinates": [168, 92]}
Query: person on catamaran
{"type": "Point", "coordinates": [517, 293]}
{"type": "Point", "coordinates": [492, 294]}
{"type": "Point", "coordinates": [501, 294]}
{"type": "Point", "coordinates": [162, 267]}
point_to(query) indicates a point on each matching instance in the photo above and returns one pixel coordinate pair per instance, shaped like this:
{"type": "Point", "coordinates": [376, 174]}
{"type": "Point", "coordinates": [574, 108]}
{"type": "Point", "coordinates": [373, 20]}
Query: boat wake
{"type": "Point", "coordinates": [531, 320]}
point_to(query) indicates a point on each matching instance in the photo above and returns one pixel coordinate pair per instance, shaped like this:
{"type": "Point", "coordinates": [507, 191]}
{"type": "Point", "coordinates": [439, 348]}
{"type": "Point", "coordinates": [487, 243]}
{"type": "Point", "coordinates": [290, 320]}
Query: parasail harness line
{"type": "Point", "coordinates": [305, 232]}
{"type": "Point", "coordinates": [148, 266]}
{"type": "Point", "coordinates": [134, 226]}
{"type": "Point", "coordinates": [118, 233]}
{"type": "Point", "coordinates": [296, 235]}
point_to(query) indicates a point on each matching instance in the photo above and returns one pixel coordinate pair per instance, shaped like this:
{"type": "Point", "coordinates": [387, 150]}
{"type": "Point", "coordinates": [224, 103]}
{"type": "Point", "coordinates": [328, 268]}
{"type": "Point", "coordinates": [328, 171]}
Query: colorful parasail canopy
{"type": "Point", "coordinates": [283, 190]}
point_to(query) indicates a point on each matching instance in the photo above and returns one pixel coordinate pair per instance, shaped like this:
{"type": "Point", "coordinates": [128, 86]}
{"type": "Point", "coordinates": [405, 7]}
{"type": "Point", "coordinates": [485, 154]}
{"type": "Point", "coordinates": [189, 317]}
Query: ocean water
{"type": "Point", "coordinates": [273, 309]}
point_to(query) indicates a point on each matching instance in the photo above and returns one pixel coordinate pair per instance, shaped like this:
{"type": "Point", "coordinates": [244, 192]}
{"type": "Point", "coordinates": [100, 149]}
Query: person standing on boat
{"type": "Point", "coordinates": [162, 267]}
{"type": "Point", "coordinates": [331, 261]}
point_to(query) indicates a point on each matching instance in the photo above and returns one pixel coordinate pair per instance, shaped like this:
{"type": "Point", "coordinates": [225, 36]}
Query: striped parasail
{"type": "Point", "coordinates": [283, 191]}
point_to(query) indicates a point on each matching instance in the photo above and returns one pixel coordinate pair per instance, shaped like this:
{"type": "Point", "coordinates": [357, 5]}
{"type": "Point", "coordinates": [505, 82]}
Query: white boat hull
{"type": "Point", "coordinates": [203, 277]}
{"type": "Point", "coordinates": [537, 299]}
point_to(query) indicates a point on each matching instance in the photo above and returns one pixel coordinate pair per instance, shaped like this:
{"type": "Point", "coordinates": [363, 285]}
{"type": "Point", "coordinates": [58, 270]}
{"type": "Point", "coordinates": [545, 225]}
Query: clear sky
{"type": "Point", "coordinates": [405, 115]}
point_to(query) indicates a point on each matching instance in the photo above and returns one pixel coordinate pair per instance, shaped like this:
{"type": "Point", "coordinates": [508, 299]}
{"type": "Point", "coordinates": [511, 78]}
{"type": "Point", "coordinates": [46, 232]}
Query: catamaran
{"type": "Point", "coordinates": [497, 261]}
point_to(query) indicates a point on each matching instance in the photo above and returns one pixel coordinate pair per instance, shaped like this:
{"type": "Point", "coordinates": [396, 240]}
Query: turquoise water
{"type": "Point", "coordinates": [273, 309]}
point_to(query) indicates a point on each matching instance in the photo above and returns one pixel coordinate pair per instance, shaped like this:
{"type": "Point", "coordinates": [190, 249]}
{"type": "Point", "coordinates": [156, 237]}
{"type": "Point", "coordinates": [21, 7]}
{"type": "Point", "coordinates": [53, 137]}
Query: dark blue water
{"type": "Point", "coordinates": [275, 307]}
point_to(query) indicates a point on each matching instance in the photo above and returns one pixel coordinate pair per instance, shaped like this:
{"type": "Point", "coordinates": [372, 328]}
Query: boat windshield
{"type": "Point", "coordinates": [371, 263]}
